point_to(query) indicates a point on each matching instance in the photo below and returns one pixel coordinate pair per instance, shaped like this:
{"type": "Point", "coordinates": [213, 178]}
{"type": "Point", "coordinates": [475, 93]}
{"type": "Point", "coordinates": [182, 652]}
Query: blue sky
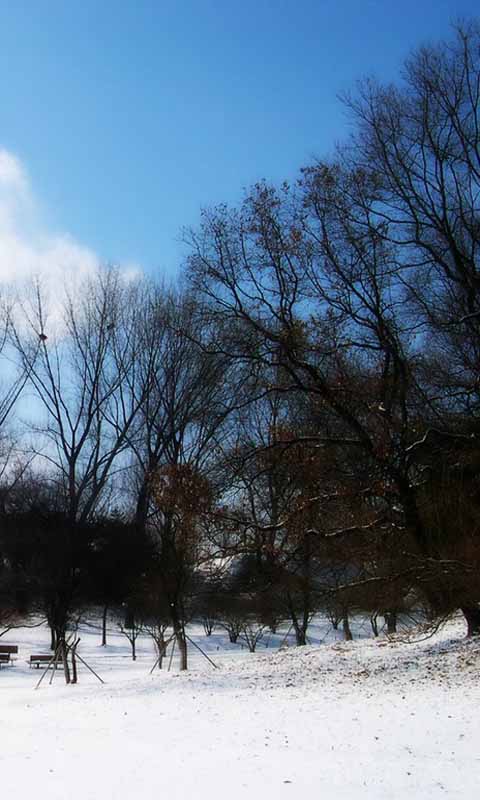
{"type": "Point", "coordinates": [120, 119]}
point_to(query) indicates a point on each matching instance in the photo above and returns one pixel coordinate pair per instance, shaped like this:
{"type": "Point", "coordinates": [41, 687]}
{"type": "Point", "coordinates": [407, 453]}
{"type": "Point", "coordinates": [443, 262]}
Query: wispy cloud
{"type": "Point", "coordinates": [28, 248]}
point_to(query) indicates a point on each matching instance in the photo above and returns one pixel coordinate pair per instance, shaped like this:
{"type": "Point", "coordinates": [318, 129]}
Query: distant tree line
{"type": "Point", "coordinates": [297, 427]}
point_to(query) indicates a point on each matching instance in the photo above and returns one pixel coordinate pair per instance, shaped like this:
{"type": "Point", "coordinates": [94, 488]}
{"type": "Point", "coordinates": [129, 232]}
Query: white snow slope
{"type": "Point", "coordinates": [369, 719]}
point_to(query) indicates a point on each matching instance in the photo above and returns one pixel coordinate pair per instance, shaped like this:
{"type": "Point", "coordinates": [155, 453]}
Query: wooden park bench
{"type": "Point", "coordinates": [6, 652]}
{"type": "Point", "coordinates": [43, 659]}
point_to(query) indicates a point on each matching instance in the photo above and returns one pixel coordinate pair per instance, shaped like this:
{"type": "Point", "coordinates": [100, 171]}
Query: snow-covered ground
{"type": "Point", "coordinates": [369, 719]}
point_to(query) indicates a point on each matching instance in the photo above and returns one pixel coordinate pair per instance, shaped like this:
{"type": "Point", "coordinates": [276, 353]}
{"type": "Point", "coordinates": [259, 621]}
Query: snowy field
{"type": "Point", "coordinates": [372, 719]}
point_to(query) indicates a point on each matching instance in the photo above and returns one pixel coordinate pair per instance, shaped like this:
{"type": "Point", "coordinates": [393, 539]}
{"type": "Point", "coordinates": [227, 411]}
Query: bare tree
{"type": "Point", "coordinates": [312, 276]}
{"type": "Point", "coordinates": [84, 411]}
{"type": "Point", "coordinates": [419, 142]}
{"type": "Point", "coordinates": [419, 145]}
{"type": "Point", "coordinates": [182, 496]}
{"type": "Point", "coordinates": [79, 374]}
{"type": "Point", "coordinates": [185, 390]}
{"type": "Point", "coordinates": [14, 374]}
{"type": "Point", "coordinates": [187, 402]}
{"type": "Point", "coordinates": [252, 633]}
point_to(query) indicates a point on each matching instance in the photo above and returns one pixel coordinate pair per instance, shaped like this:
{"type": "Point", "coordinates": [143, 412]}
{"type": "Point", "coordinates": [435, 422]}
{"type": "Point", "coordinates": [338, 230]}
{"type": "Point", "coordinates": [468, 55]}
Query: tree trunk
{"type": "Point", "coordinates": [62, 652]}
{"type": "Point", "coordinates": [346, 629]}
{"type": "Point", "coordinates": [374, 623]}
{"type": "Point", "coordinates": [300, 631]}
{"type": "Point", "coordinates": [472, 618]}
{"type": "Point", "coordinates": [179, 632]}
{"type": "Point", "coordinates": [391, 621]}
{"type": "Point", "coordinates": [182, 646]}
{"type": "Point", "coordinates": [300, 635]}
{"type": "Point", "coordinates": [74, 669]}
{"type": "Point", "coordinates": [104, 625]}
{"type": "Point", "coordinates": [162, 650]}
{"type": "Point", "coordinates": [74, 662]}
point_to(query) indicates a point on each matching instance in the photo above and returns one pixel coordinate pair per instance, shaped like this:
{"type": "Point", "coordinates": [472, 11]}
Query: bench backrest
{"type": "Point", "coordinates": [4, 657]}
{"type": "Point", "coordinates": [42, 657]}
{"type": "Point", "coordinates": [8, 648]}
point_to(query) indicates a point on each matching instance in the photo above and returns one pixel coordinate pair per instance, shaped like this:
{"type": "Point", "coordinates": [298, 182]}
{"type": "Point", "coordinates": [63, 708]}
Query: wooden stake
{"type": "Point", "coordinates": [202, 652]}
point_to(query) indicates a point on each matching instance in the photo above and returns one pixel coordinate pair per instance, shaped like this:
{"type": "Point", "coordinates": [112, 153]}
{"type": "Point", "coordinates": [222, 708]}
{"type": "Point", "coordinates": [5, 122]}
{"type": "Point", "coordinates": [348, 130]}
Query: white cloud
{"type": "Point", "coordinates": [27, 247]}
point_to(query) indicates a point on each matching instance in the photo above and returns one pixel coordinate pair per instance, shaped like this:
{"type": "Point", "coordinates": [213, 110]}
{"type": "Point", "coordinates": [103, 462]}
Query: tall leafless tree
{"type": "Point", "coordinates": [187, 400]}
{"type": "Point", "coordinates": [320, 286]}
{"type": "Point", "coordinates": [80, 369]}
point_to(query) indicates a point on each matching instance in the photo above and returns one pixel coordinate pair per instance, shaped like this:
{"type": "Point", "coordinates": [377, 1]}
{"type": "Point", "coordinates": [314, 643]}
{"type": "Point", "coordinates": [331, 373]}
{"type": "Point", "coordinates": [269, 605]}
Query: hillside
{"type": "Point", "coordinates": [380, 719]}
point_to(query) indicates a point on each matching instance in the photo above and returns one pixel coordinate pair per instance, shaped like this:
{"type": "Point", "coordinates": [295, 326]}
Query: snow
{"type": "Point", "coordinates": [374, 719]}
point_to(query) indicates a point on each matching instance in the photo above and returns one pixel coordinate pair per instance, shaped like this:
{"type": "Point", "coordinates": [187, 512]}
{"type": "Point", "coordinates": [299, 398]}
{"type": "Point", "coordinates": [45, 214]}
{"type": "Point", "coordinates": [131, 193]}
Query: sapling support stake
{"type": "Point", "coordinates": [54, 659]}
{"type": "Point", "coordinates": [160, 655]}
{"type": "Point", "coordinates": [89, 667]}
{"type": "Point", "coordinates": [156, 662]}
{"type": "Point", "coordinates": [202, 652]}
{"type": "Point", "coordinates": [285, 637]}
